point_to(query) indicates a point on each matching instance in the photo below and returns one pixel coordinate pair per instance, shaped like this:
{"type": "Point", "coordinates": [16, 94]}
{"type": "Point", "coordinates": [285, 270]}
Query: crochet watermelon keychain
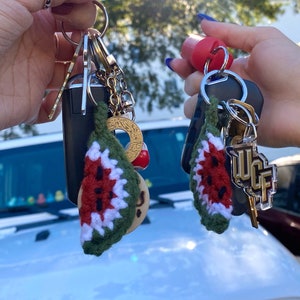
{"type": "Point", "coordinates": [228, 176]}
{"type": "Point", "coordinates": [210, 181]}
{"type": "Point", "coordinates": [109, 191]}
{"type": "Point", "coordinates": [113, 198]}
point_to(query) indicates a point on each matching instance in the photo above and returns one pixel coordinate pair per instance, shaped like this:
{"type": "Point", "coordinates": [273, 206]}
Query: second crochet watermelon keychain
{"type": "Point", "coordinates": [210, 181]}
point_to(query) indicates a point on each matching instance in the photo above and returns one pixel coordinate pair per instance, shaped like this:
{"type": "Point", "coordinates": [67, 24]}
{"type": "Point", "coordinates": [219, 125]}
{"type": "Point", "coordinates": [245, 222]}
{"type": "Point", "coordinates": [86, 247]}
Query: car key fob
{"type": "Point", "coordinates": [77, 128]}
{"type": "Point", "coordinates": [223, 89]}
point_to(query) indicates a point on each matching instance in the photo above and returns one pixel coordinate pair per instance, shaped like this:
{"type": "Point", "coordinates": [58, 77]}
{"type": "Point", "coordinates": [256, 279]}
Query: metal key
{"type": "Point", "coordinates": [252, 211]}
{"type": "Point", "coordinates": [69, 71]}
{"type": "Point", "coordinates": [86, 71]}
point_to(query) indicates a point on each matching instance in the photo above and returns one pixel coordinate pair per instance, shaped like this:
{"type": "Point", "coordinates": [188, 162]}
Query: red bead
{"type": "Point", "coordinates": [143, 159]}
{"type": "Point", "coordinates": [198, 49]}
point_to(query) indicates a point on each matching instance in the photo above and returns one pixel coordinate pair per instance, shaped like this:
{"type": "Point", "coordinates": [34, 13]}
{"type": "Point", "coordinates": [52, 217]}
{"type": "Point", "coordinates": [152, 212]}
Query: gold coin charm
{"type": "Point", "coordinates": [142, 205]}
{"type": "Point", "coordinates": [134, 132]}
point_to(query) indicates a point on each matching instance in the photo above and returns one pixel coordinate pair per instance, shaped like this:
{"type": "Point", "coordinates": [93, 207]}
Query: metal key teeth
{"type": "Point", "coordinates": [253, 211]}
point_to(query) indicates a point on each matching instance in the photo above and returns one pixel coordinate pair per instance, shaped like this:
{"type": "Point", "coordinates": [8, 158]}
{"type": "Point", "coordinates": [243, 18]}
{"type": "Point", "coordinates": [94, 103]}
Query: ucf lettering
{"type": "Point", "coordinates": [251, 171]}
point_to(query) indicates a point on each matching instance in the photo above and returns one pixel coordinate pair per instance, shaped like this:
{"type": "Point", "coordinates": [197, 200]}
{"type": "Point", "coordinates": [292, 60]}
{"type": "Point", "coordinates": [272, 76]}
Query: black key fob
{"type": "Point", "coordinates": [223, 89]}
{"type": "Point", "coordinates": [77, 128]}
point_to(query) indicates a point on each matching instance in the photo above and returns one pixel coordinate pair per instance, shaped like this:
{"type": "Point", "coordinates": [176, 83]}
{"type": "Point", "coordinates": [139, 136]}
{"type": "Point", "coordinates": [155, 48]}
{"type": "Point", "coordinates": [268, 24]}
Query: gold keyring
{"type": "Point", "coordinates": [101, 32]}
{"type": "Point", "coordinates": [246, 108]}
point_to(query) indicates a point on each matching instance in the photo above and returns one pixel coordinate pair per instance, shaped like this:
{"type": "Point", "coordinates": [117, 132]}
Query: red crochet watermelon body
{"type": "Point", "coordinates": [103, 193]}
{"type": "Point", "coordinates": [212, 184]}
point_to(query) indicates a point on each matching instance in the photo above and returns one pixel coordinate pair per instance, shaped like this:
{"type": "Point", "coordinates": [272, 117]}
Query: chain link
{"type": "Point", "coordinates": [121, 100]}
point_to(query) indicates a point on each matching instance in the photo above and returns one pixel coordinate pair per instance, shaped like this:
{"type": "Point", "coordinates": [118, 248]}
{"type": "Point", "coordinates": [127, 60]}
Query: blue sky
{"type": "Point", "coordinates": [289, 24]}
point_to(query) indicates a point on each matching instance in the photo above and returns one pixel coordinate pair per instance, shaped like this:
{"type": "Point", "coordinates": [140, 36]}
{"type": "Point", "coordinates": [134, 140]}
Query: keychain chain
{"type": "Point", "coordinates": [114, 79]}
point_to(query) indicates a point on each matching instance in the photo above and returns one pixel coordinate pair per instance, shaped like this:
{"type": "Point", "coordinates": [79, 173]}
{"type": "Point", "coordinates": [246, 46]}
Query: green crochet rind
{"type": "Point", "coordinates": [210, 125]}
{"type": "Point", "coordinates": [215, 222]}
{"type": "Point", "coordinates": [105, 138]}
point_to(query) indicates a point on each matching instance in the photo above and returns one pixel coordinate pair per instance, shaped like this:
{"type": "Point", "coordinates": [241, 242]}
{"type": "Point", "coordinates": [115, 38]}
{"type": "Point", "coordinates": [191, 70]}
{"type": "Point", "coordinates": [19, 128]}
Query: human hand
{"type": "Point", "coordinates": [273, 64]}
{"type": "Point", "coordinates": [32, 58]}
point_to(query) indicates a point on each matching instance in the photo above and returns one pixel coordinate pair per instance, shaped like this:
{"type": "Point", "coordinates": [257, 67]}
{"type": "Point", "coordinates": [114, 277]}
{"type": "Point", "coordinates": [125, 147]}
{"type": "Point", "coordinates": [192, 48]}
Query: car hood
{"type": "Point", "coordinates": [171, 257]}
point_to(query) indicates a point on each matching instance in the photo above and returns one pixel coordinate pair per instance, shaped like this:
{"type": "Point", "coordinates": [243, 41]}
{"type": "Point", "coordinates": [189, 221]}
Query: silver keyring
{"type": "Point", "coordinates": [47, 4]}
{"type": "Point", "coordinates": [250, 133]}
{"type": "Point", "coordinates": [225, 63]}
{"type": "Point", "coordinates": [229, 106]}
{"type": "Point", "coordinates": [101, 33]}
{"type": "Point", "coordinates": [206, 81]}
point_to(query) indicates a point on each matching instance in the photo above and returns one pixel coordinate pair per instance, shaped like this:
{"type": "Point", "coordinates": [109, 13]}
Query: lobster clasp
{"type": "Point", "coordinates": [101, 55]}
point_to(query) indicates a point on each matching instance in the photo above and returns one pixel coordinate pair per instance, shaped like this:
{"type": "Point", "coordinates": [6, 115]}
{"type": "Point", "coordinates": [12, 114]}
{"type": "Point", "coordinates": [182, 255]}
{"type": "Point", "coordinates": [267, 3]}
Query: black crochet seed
{"type": "Point", "coordinates": [99, 205]}
{"type": "Point", "coordinates": [98, 190]}
{"type": "Point", "coordinates": [99, 174]}
{"type": "Point", "coordinates": [209, 180]}
{"type": "Point", "coordinates": [222, 192]}
{"type": "Point", "coordinates": [214, 161]}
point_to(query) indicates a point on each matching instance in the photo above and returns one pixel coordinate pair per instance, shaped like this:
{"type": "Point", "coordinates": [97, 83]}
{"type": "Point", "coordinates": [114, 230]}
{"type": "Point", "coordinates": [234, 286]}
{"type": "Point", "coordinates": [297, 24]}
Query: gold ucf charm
{"type": "Point", "coordinates": [134, 132]}
{"type": "Point", "coordinates": [251, 171]}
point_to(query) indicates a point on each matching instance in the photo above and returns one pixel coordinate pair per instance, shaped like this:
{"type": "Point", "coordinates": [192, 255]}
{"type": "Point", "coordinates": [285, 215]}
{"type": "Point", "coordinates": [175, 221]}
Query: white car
{"type": "Point", "coordinates": [169, 256]}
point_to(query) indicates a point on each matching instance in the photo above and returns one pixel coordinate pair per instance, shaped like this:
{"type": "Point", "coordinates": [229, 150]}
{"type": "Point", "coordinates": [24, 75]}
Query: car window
{"type": "Point", "coordinates": [288, 188]}
{"type": "Point", "coordinates": [296, 198]}
{"type": "Point", "coordinates": [164, 173]}
{"type": "Point", "coordinates": [285, 178]}
{"type": "Point", "coordinates": [36, 174]}
{"type": "Point", "coordinates": [32, 175]}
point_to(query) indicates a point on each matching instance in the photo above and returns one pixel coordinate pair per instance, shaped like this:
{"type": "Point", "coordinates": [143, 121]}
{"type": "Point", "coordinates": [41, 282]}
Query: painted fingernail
{"type": "Point", "coordinates": [202, 17]}
{"type": "Point", "coordinates": [168, 63]}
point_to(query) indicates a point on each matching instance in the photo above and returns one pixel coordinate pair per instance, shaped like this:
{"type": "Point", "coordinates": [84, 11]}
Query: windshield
{"type": "Point", "coordinates": [35, 175]}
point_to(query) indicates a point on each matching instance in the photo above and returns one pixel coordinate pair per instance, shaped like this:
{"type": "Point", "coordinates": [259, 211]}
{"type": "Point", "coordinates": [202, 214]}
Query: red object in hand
{"type": "Point", "coordinates": [199, 49]}
{"type": "Point", "coordinates": [143, 159]}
